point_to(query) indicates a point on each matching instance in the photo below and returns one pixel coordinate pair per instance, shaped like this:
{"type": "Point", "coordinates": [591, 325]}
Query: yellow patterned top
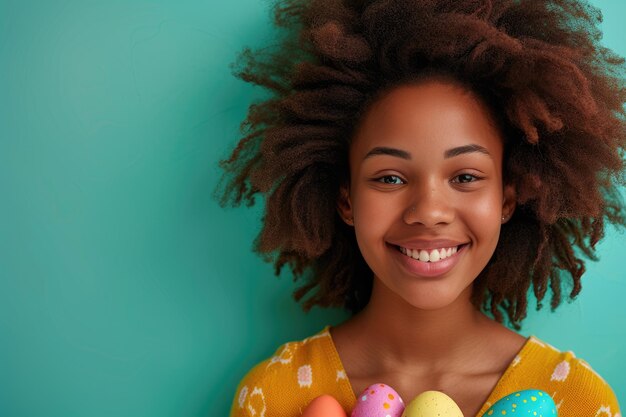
{"type": "Point", "coordinates": [284, 384]}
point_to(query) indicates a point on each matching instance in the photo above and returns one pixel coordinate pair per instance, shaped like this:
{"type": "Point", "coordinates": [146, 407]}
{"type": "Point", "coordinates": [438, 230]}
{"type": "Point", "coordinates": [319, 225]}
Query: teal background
{"type": "Point", "coordinates": [125, 290]}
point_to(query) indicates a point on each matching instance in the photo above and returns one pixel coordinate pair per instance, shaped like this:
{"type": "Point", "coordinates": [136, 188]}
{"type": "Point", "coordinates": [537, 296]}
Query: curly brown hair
{"type": "Point", "coordinates": [539, 66]}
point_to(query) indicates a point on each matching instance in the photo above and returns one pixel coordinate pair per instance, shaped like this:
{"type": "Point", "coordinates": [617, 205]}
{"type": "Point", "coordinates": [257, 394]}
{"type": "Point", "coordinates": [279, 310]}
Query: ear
{"type": "Point", "coordinates": [508, 202]}
{"type": "Point", "coordinates": [344, 205]}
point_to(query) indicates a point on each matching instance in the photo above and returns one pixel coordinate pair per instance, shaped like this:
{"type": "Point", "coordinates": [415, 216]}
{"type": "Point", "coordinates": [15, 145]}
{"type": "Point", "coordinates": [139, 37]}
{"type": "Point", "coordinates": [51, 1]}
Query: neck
{"type": "Point", "coordinates": [401, 335]}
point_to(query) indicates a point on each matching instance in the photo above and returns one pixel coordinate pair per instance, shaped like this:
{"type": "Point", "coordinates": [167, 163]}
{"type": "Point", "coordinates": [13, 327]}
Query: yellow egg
{"type": "Point", "coordinates": [432, 404]}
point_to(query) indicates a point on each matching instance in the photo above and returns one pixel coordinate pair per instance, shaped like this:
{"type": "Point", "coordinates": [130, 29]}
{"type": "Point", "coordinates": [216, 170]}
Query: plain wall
{"type": "Point", "coordinates": [125, 290]}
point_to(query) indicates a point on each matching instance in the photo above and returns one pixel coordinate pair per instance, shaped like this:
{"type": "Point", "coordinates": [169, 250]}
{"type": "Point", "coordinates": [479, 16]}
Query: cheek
{"type": "Point", "coordinates": [366, 209]}
{"type": "Point", "coordinates": [373, 216]}
{"type": "Point", "coordinates": [484, 217]}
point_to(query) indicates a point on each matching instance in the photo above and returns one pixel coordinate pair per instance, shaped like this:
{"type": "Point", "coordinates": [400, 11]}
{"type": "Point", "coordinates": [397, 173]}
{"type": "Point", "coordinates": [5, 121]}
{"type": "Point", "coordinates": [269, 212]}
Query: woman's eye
{"type": "Point", "coordinates": [465, 178]}
{"type": "Point", "coordinates": [390, 179]}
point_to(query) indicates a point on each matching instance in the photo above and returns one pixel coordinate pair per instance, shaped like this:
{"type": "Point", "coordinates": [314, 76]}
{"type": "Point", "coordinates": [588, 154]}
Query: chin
{"type": "Point", "coordinates": [431, 306]}
{"type": "Point", "coordinates": [424, 295]}
{"type": "Point", "coordinates": [430, 301]}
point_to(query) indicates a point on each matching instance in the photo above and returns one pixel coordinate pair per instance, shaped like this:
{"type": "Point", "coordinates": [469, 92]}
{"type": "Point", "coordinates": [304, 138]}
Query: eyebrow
{"type": "Point", "coordinates": [383, 150]}
{"type": "Point", "coordinates": [449, 153]}
{"type": "Point", "coordinates": [465, 149]}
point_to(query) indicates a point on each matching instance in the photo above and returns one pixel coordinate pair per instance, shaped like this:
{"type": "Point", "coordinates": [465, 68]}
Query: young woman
{"type": "Point", "coordinates": [425, 164]}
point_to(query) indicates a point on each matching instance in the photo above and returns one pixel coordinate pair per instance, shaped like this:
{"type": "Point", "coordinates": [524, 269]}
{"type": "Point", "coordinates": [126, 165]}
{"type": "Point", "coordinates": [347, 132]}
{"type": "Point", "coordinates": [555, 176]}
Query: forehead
{"type": "Point", "coordinates": [427, 116]}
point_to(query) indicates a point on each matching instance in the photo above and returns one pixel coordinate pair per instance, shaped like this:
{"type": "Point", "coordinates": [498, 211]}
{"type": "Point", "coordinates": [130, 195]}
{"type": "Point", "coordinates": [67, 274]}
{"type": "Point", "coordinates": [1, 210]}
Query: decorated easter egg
{"type": "Point", "coordinates": [378, 400]}
{"type": "Point", "coordinates": [432, 404]}
{"type": "Point", "coordinates": [324, 406]}
{"type": "Point", "coordinates": [529, 402]}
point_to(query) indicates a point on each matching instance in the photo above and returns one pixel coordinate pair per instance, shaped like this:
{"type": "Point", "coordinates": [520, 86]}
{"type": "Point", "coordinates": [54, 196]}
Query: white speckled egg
{"type": "Point", "coordinates": [529, 402]}
{"type": "Point", "coordinates": [378, 400]}
{"type": "Point", "coordinates": [432, 404]}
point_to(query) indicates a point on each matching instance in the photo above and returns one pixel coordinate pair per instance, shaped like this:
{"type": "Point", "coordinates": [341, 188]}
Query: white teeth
{"type": "Point", "coordinates": [434, 255]}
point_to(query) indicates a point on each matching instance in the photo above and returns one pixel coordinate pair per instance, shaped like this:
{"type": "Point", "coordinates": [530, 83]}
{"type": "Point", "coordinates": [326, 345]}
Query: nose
{"type": "Point", "coordinates": [429, 207]}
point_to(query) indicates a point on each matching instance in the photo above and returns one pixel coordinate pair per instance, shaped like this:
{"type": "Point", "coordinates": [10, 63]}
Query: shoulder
{"type": "Point", "coordinates": [577, 389]}
{"type": "Point", "coordinates": [286, 382]}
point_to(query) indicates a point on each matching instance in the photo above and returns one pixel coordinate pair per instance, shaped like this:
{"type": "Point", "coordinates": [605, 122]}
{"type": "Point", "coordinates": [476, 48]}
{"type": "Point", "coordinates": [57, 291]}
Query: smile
{"type": "Point", "coordinates": [429, 262]}
{"type": "Point", "coordinates": [432, 255]}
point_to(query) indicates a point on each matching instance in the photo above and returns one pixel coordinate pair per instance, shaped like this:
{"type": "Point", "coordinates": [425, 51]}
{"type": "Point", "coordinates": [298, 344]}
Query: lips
{"type": "Point", "coordinates": [432, 255]}
{"type": "Point", "coordinates": [425, 244]}
{"type": "Point", "coordinates": [427, 268]}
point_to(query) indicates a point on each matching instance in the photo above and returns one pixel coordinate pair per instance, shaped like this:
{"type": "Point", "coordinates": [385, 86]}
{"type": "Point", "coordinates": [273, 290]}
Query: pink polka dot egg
{"type": "Point", "coordinates": [378, 400]}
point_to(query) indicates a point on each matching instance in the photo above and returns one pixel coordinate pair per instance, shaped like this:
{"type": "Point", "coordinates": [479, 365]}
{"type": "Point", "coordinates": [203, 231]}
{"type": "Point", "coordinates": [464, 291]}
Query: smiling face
{"type": "Point", "coordinates": [426, 197]}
